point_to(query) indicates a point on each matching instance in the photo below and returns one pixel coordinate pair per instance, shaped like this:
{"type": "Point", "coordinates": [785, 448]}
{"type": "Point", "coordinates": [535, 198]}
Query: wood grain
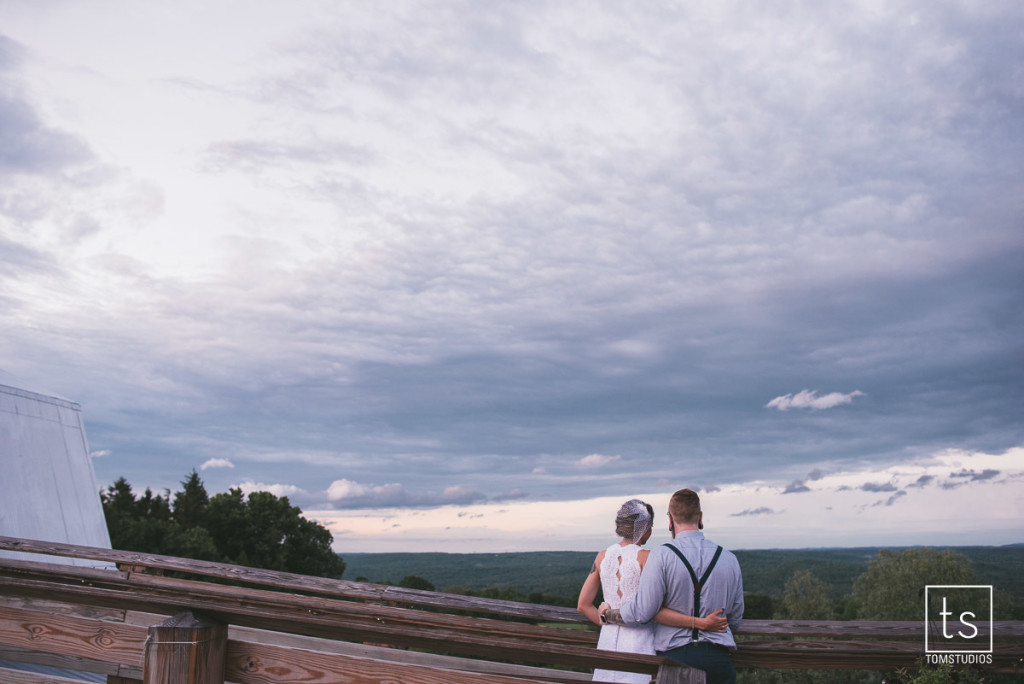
{"type": "Point", "coordinates": [77, 613]}
{"type": "Point", "coordinates": [9, 676]}
{"type": "Point", "coordinates": [329, 587]}
{"type": "Point", "coordinates": [65, 634]}
{"type": "Point", "coordinates": [262, 664]}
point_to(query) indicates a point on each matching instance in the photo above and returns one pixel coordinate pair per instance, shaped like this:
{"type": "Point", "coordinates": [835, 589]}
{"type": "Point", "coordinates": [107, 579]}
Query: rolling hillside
{"type": "Point", "coordinates": [562, 572]}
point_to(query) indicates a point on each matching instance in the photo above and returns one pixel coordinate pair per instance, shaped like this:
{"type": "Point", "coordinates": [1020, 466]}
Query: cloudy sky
{"type": "Point", "coordinates": [467, 275]}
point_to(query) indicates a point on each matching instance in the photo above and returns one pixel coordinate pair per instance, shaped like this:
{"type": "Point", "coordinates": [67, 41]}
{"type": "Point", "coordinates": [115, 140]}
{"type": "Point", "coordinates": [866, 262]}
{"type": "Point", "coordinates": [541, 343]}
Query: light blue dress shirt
{"type": "Point", "coordinates": [666, 582]}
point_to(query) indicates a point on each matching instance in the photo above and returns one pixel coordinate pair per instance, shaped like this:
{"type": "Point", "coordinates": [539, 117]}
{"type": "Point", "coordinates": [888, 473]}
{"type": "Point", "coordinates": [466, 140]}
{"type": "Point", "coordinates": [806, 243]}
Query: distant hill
{"type": "Point", "coordinates": [562, 572]}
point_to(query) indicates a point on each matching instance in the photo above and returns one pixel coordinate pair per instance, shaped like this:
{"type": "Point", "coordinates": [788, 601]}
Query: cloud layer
{"type": "Point", "coordinates": [443, 254]}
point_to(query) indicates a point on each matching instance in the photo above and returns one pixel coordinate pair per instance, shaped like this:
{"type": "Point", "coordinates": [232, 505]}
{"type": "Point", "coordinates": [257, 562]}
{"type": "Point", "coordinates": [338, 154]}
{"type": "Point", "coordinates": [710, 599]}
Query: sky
{"type": "Point", "coordinates": [466, 276]}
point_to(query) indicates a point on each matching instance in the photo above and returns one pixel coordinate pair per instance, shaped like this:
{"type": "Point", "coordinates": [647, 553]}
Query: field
{"type": "Point", "coordinates": [562, 572]}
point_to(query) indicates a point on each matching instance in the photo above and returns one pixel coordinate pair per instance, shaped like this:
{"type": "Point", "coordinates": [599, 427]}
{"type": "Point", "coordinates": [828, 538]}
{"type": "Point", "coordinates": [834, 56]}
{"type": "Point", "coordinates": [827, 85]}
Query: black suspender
{"type": "Point", "coordinates": [697, 584]}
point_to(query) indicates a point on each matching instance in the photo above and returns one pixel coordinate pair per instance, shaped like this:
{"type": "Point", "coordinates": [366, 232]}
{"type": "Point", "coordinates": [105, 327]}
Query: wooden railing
{"type": "Point", "coordinates": [284, 627]}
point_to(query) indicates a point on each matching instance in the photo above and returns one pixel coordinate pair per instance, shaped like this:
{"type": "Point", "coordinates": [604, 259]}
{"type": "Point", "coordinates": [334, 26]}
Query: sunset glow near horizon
{"type": "Point", "coordinates": [465, 277]}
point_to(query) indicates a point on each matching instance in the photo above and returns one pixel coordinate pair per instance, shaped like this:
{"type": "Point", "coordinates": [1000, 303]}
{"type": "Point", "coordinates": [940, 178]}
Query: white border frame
{"type": "Point", "coordinates": [991, 609]}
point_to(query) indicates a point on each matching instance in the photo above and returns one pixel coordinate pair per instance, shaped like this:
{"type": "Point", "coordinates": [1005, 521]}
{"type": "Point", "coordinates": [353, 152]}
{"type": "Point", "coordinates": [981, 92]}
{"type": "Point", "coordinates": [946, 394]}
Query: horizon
{"type": "Point", "coordinates": [470, 276]}
{"type": "Point", "coordinates": [809, 548]}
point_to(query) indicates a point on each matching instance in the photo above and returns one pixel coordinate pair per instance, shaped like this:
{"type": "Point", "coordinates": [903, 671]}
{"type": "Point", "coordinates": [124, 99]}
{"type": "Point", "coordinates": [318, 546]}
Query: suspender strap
{"type": "Point", "coordinates": [697, 584]}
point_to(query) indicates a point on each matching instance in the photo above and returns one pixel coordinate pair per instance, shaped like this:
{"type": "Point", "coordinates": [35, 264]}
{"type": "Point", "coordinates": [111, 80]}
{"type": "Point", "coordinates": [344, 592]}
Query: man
{"type": "Point", "coordinates": [666, 581]}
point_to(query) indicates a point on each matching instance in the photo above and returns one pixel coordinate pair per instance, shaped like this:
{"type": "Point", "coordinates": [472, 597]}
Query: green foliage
{"type": "Point", "coordinates": [260, 530]}
{"type": "Point", "coordinates": [550, 572]}
{"type": "Point", "coordinates": [758, 607]}
{"type": "Point", "coordinates": [416, 582]}
{"type": "Point", "coordinates": [191, 502]}
{"type": "Point", "coordinates": [769, 676]}
{"type": "Point", "coordinates": [805, 597]}
{"type": "Point", "coordinates": [892, 587]}
{"type": "Point", "coordinates": [765, 572]}
{"type": "Point", "coordinates": [941, 674]}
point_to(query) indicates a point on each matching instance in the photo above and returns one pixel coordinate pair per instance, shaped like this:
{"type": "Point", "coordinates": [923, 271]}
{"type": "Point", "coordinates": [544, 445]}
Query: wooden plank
{"type": "Point", "coordinates": [9, 676]}
{"type": "Point", "coordinates": [255, 612]}
{"type": "Point", "coordinates": [850, 655]}
{"type": "Point", "coordinates": [74, 636]}
{"type": "Point", "coordinates": [866, 629]}
{"type": "Point", "coordinates": [32, 583]}
{"type": "Point", "coordinates": [49, 606]}
{"type": "Point", "coordinates": [68, 662]}
{"type": "Point", "coordinates": [352, 611]}
{"type": "Point", "coordinates": [320, 585]}
{"type": "Point", "coordinates": [259, 636]}
{"type": "Point", "coordinates": [249, 663]}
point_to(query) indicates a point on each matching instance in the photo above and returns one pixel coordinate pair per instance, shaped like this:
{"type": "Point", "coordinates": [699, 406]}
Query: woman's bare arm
{"type": "Point", "coordinates": [585, 603]}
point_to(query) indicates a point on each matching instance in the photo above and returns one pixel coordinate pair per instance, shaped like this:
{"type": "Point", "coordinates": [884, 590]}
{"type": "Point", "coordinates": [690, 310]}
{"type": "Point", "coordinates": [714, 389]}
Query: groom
{"type": "Point", "coordinates": [669, 579]}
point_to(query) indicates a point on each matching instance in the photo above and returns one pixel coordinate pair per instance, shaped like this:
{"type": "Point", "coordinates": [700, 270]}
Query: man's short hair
{"type": "Point", "coordinates": [684, 506]}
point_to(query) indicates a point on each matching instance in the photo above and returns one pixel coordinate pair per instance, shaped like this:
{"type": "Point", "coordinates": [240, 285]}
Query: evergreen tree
{"type": "Point", "coordinates": [191, 502]}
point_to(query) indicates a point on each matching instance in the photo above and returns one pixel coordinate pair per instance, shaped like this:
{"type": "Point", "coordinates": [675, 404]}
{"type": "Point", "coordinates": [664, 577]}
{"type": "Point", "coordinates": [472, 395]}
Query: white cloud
{"type": "Point", "coordinates": [217, 463]}
{"type": "Point", "coordinates": [809, 399]}
{"type": "Point", "coordinates": [596, 461]}
{"type": "Point", "coordinates": [345, 489]}
{"type": "Point", "coordinates": [99, 454]}
{"type": "Point", "coordinates": [279, 490]}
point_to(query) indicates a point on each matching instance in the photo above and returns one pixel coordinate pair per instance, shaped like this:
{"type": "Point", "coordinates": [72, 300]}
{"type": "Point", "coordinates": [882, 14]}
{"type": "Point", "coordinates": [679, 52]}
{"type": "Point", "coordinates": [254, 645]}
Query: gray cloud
{"type": "Point", "coordinates": [796, 487]}
{"type": "Point", "coordinates": [28, 146]}
{"type": "Point", "coordinates": [878, 487]}
{"type": "Point", "coordinates": [922, 481]}
{"type": "Point", "coordinates": [763, 510]}
{"type": "Point", "coordinates": [543, 244]}
{"type": "Point", "coordinates": [891, 500]}
{"type": "Point", "coordinates": [975, 476]}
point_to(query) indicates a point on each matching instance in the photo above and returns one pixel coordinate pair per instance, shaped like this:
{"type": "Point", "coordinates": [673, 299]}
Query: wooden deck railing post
{"type": "Point", "coordinates": [186, 649]}
{"type": "Point", "coordinates": [677, 673]}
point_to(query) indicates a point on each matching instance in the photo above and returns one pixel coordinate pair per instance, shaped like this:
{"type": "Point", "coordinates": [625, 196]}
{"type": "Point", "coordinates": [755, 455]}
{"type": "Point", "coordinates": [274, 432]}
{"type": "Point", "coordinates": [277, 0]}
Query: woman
{"type": "Point", "coordinates": [617, 571]}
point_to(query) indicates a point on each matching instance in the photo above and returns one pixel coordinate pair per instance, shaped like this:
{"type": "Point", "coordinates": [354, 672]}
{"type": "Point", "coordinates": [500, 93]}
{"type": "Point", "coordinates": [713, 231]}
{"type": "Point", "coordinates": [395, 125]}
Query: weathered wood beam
{"type": "Point", "coordinates": [412, 657]}
{"type": "Point", "coordinates": [186, 649]}
{"type": "Point", "coordinates": [9, 676]}
{"type": "Point", "coordinates": [254, 612]}
{"type": "Point", "coordinates": [74, 636]}
{"type": "Point", "coordinates": [27, 655]}
{"type": "Point", "coordinates": [173, 589]}
{"type": "Point", "coordinates": [866, 629]}
{"type": "Point", "coordinates": [330, 587]}
{"type": "Point", "coordinates": [263, 664]}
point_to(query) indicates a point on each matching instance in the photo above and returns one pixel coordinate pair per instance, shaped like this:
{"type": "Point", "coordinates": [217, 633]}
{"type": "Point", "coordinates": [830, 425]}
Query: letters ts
{"type": "Point", "coordinates": [945, 612]}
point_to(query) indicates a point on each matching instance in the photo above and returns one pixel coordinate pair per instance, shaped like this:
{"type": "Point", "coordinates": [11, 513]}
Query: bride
{"type": "Point", "coordinates": [616, 571]}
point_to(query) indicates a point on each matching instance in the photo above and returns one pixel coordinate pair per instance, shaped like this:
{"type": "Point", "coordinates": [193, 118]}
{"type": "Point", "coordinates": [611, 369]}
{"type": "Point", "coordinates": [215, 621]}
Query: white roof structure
{"type": "Point", "coordinates": [48, 488]}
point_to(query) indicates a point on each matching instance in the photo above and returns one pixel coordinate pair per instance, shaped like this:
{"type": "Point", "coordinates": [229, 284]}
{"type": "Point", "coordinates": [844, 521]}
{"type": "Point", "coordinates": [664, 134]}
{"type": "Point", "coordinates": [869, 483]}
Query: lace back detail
{"type": "Point", "coordinates": [620, 574]}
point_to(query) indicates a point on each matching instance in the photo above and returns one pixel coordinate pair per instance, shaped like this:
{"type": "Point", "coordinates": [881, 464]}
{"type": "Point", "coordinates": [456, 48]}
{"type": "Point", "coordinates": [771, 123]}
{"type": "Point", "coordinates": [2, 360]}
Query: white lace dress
{"type": "Point", "coordinates": [620, 578]}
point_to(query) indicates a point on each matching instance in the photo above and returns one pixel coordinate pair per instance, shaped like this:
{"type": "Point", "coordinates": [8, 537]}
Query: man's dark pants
{"type": "Point", "coordinates": [715, 660]}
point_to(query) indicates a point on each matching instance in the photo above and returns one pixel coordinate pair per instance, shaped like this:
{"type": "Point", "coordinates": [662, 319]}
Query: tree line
{"type": "Point", "coordinates": [260, 530]}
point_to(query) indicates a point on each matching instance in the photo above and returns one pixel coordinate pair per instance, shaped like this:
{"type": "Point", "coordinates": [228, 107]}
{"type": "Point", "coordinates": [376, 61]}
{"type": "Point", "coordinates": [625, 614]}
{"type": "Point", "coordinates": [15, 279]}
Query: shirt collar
{"type": "Point", "coordinates": [695, 534]}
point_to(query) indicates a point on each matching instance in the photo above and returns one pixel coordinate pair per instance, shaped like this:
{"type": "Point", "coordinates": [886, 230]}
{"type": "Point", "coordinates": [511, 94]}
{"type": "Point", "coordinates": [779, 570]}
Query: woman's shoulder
{"type": "Point", "coordinates": [641, 557]}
